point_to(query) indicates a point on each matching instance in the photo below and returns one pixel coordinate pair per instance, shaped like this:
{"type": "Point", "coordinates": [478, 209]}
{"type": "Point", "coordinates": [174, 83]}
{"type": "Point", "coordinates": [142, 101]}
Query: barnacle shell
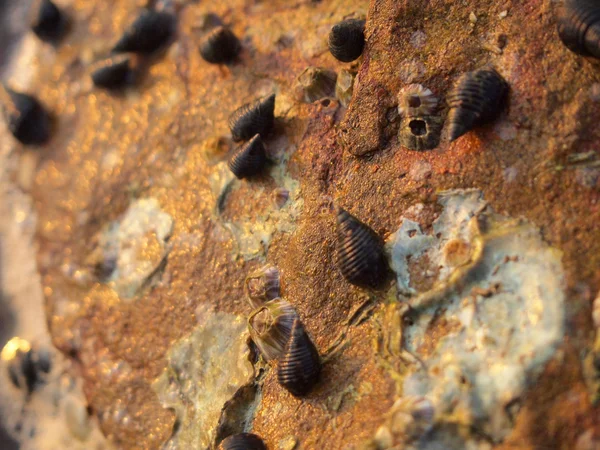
{"type": "Point", "coordinates": [25, 116]}
{"type": "Point", "coordinates": [420, 132]}
{"type": "Point", "coordinates": [299, 368]}
{"type": "Point", "coordinates": [27, 365]}
{"type": "Point", "coordinates": [579, 26]}
{"type": "Point", "coordinates": [113, 73]}
{"type": "Point", "coordinates": [262, 285]}
{"type": "Point", "coordinates": [360, 253]}
{"type": "Point", "coordinates": [416, 100]}
{"type": "Point", "coordinates": [315, 83]}
{"type": "Point", "coordinates": [412, 416]}
{"type": "Point", "coordinates": [242, 441]}
{"type": "Point", "coordinates": [148, 33]}
{"type": "Point", "coordinates": [270, 327]}
{"type": "Point", "coordinates": [253, 118]}
{"type": "Point", "coordinates": [48, 23]}
{"type": "Point", "coordinates": [477, 98]}
{"type": "Point", "coordinates": [347, 39]}
{"type": "Point", "coordinates": [249, 160]}
{"type": "Point", "coordinates": [220, 46]}
{"type": "Point", "coordinates": [344, 86]}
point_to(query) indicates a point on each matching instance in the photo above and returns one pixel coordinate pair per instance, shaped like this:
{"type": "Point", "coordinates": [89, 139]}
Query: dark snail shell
{"type": "Point", "coordinates": [220, 46]}
{"type": "Point", "coordinates": [242, 441]}
{"type": "Point", "coordinates": [579, 26]}
{"type": "Point", "coordinates": [253, 118]}
{"type": "Point", "coordinates": [250, 159]}
{"type": "Point", "coordinates": [113, 73]}
{"type": "Point", "coordinates": [299, 368]}
{"type": "Point", "coordinates": [27, 119]}
{"type": "Point", "coordinates": [420, 132]}
{"type": "Point", "coordinates": [347, 40]}
{"type": "Point", "coordinates": [360, 252]}
{"type": "Point", "coordinates": [476, 98]}
{"type": "Point", "coordinates": [49, 23]}
{"type": "Point", "coordinates": [151, 31]}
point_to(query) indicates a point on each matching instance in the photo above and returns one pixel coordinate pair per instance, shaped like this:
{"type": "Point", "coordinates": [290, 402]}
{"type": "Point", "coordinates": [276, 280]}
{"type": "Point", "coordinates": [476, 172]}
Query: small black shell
{"type": "Point", "coordinates": [360, 252]}
{"type": "Point", "coordinates": [347, 40]}
{"type": "Point", "coordinates": [579, 26]}
{"type": "Point", "coordinates": [476, 98]}
{"type": "Point", "coordinates": [252, 118]}
{"type": "Point", "coordinates": [299, 368]}
{"type": "Point", "coordinates": [113, 73]}
{"type": "Point", "coordinates": [250, 159]}
{"type": "Point", "coordinates": [27, 119]}
{"type": "Point", "coordinates": [220, 46]}
{"type": "Point", "coordinates": [148, 33]}
{"type": "Point", "coordinates": [242, 441]}
{"type": "Point", "coordinates": [50, 23]}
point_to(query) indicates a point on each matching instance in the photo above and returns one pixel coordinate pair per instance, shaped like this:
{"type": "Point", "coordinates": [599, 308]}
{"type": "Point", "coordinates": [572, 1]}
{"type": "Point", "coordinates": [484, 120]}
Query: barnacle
{"type": "Point", "coordinates": [49, 23]}
{"type": "Point", "coordinates": [344, 86]}
{"type": "Point", "coordinates": [149, 32]}
{"type": "Point", "coordinates": [113, 73]}
{"type": "Point", "coordinates": [314, 83]}
{"type": "Point", "coordinates": [256, 117]}
{"type": "Point", "coordinates": [579, 26]}
{"type": "Point", "coordinates": [270, 327]}
{"type": "Point", "coordinates": [242, 441]}
{"type": "Point", "coordinates": [25, 116]}
{"type": "Point", "coordinates": [420, 132]}
{"type": "Point", "coordinates": [220, 46]}
{"type": "Point", "coordinates": [416, 100]}
{"type": "Point", "coordinates": [262, 285]}
{"type": "Point", "coordinates": [250, 159]}
{"type": "Point", "coordinates": [347, 39]}
{"type": "Point", "coordinates": [476, 98]}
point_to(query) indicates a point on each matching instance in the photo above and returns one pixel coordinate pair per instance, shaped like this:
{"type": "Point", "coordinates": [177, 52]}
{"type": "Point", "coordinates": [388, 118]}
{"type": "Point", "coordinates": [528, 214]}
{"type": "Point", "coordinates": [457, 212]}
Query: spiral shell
{"type": "Point", "coordinates": [299, 368]}
{"type": "Point", "coordinates": [578, 24]}
{"type": "Point", "coordinates": [113, 73]}
{"type": "Point", "coordinates": [477, 98]}
{"type": "Point", "coordinates": [249, 160]}
{"type": "Point", "coordinates": [26, 118]}
{"type": "Point", "coordinates": [27, 365]}
{"type": "Point", "coordinates": [242, 441]}
{"type": "Point", "coordinates": [360, 252]}
{"type": "Point", "coordinates": [416, 100]}
{"type": "Point", "coordinates": [220, 46]}
{"type": "Point", "coordinates": [420, 132]}
{"type": "Point", "coordinates": [315, 83]}
{"type": "Point", "coordinates": [347, 39]}
{"type": "Point", "coordinates": [270, 327]}
{"type": "Point", "coordinates": [256, 117]}
{"type": "Point", "coordinates": [49, 23]}
{"type": "Point", "coordinates": [262, 286]}
{"type": "Point", "coordinates": [151, 31]}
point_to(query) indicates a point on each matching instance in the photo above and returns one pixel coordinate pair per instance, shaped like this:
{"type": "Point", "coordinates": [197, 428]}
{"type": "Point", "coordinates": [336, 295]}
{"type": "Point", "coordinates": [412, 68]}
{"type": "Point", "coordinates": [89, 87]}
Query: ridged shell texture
{"type": "Point", "coordinates": [256, 117]}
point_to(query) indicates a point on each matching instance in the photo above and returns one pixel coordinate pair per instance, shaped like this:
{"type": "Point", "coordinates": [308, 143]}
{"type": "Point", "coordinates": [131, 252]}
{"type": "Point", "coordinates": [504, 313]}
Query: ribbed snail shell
{"type": "Point", "coordinates": [149, 32]}
{"type": "Point", "coordinates": [299, 368]}
{"type": "Point", "coordinates": [220, 46]}
{"type": "Point", "coordinates": [262, 286]}
{"type": "Point", "coordinates": [242, 441]}
{"type": "Point", "coordinates": [347, 39]}
{"type": "Point", "coordinates": [270, 327]}
{"type": "Point", "coordinates": [578, 24]}
{"type": "Point", "coordinates": [249, 160]}
{"type": "Point", "coordinates": [420, 132]}
{"type": "Point", "coordinates": [26, 118]}
{"type": "Point", "coordinates": [360, 252]}
{"type": "Point", "coordinates": [113, 73]}
{"type": "Point", "coordinates": [416, 100]}
{"type": "Point", "coordinates": [256, 117]}
{"type": "Point", "coordinates": [49, 23]}
{"type": "Point", "coordinates": [476, 98]}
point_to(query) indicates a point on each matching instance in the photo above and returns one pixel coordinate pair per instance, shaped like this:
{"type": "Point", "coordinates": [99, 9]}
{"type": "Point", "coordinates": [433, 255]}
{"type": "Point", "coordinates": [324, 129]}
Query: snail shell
{"type": "Point", "coordinates": [299, 368]}
{"type": "Point", "coordinates": [476, 98]}
{"type": "Point", "coordinates": [113, 73]}
{"type": "Point", "coordinates": [578, 24]}
{"type": "Point", "coordinates": [262, 286]}
{"type": "Point", "coordinates": [347, 39]}
{"type": "Point", "coordinates": [242, 441]}
{"type": "Point", "coordinates": [256, 117]}
{"type": "Point", "coordinates": [149, 32]}
{"type": "Point", "coordinates": [420, 132]}
{"type": "Point", "coordinates": [27, 119]}
{"type": "Point", "coordinates": [49, 23]}
{"type": "Point", "coordinates": [270, 327]}
{"type": "Point", "coordinates": [250, 159]}
{"type": "Point", "coordinates": [220, 46]}
{"type": "Point", "coordinates": [360, 252]}
{"type": "Point", "coordinates": [416, 100]}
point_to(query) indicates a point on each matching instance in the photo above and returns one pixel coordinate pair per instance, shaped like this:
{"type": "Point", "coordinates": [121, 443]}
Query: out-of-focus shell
{"type": "Point", "coordinates": [411, 417]}
{"type": "Point", "coordinates": [243, 441]}
{"type": "Point", "coordinates": [360, 252]}
{"type": "Point", "coordinates": [596, 312]}
{"type": "Point", "coordinates": [27, 119]}
{"type": "Point", "coordinates": [416, 100]}
{"type": "Point", "coordinates": [578, 24]}
{"type": "Point", "coordinates": [249, 160]}
{"type": "Point", "coordinates": [262, 286]}
{"type": "Point", "coordinates": [420, 132]}
{"type": "Point", "coordinates": [270, 327]}
{"type": "Point", "coordinates": [476, 98]}
{"type": "Point", "coordinates": [48, 22]}
{"type": "Point", "coordinates": [256, 117]}
{"type": "Point", "coordinates": [220, 46]}
{"type": "Point", "coordinates": [299, 368]}
{"type": "Point", "coordinates": [149, 32]}
{"type": "Point", "coordinates": [113, 73]}
{"type": "Point", "coordinates": [27, 365]}
{"type": "Point", "coordinates": [347, 39]}
{"type": "Point", "coordinates": [344, 86]}
{"type": "Point", "coordinates": [315, 83]}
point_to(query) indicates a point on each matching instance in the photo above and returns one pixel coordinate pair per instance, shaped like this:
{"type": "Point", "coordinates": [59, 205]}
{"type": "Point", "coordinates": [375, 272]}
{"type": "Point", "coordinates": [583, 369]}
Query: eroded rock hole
{"type": "Point", "coordinates": [418, 127]}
